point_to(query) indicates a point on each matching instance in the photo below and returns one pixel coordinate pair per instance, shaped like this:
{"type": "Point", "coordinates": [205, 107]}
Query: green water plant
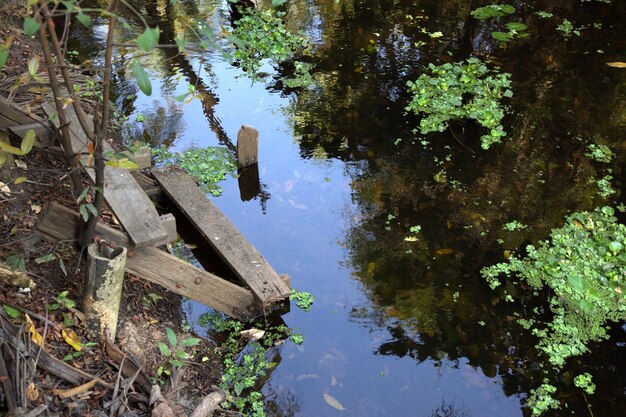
{"type": "Point", "coordinates": [246, 353]}
{"type": "Point", "coordinates": [583, 265]}
{"type": "Point", "coordinates": [259, 35]}
{"type": "Point", "coordinates": [492, 10]}
{"type": "Point", "coordinates": [463, 90]}
{"type": "Point", "coordinates": [208, 165]}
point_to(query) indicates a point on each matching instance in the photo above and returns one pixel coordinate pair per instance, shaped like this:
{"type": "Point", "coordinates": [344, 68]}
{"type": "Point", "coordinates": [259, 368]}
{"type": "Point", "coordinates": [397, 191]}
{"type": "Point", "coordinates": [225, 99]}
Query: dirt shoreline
{"type": "Point", "coordinates": [146, 310]}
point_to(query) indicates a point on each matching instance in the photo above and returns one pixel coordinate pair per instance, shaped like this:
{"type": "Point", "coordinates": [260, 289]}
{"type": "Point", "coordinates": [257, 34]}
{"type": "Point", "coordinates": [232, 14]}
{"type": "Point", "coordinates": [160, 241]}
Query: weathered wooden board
{"type": "Point", "coordinates": [132, 207]}
{"type": "Point", "coordinates": [12, 112]}
{"type": "Point", "coordinates": [60, 223]}
{"type": "Point", "coordinates": [239, 254]}
{"type": "Point", "coordinates": [247, 146]}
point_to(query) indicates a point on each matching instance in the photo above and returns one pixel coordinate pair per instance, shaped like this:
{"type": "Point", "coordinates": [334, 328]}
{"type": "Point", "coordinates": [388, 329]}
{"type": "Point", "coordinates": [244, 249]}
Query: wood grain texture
{"type": "Point", "coordinates": [247, 146]}
{"type": "Point", "coordinates": [132, 207]}
{"type": "Point", "coordinates": [239, 254]}
{"type": "Point", "coordinates": [60, 223]}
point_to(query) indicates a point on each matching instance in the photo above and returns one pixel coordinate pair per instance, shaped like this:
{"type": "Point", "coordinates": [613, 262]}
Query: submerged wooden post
{"type": "Point", "coordinates": [103, 287]}
{"type": "Point", "coordinates": [247, 146]}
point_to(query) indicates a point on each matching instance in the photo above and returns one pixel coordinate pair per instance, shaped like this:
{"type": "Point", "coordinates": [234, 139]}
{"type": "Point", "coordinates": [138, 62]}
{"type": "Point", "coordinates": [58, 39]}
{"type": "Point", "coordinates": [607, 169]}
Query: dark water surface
{"type": "Point", "coordinates": [402, 327]}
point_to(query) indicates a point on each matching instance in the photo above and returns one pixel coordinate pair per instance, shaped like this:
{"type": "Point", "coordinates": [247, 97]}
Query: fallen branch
{"type": "Point", "coordinates": [208, 404]}
{"type": "Point", "coordinates": [49, 363]}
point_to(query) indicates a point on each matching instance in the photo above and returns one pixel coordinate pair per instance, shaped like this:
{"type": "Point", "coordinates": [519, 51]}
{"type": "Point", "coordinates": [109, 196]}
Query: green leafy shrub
{"type": "Point", "coordinates": [466, 90]}
{"type": "Point", "coordinates": [259, 35]}
{"type": "Point", "coordinates": [584, 267]}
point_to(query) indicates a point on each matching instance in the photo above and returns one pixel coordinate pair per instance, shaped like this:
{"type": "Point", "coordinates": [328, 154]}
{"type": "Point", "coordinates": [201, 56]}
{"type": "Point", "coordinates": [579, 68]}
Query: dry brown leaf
{"type": "Point", "coordinates": [330, 400]}
{"type": "Point", "coordinates": [32, 393]}
{"type": "Point", "coordinates": [446, 251]}
{"type": "Point", "coordinates": [36, 208]}
{"type": "Point", "coordinates": [20, 164]}
{"type": "Point", "coordinates": [617, 64]}
{"type": "Point", "coordinates": [252, 334]}
{"type": "Point", "coordinates": [4, 188]}
{"type": "Point", "coordinates": [65, 393]}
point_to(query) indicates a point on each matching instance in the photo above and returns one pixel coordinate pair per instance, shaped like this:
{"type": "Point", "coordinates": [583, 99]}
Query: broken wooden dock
{"type": "Point", "coordinates": [239, 254]}
{"type": "Point", "coordinates": [132, 207]}
{"type": "Point", "coordinates": [258, 286]}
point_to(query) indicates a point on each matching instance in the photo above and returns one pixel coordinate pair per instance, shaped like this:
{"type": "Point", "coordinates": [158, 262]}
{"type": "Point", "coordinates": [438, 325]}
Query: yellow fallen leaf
{"type": "Point", "coordinates": [19, 180]}
{"type": "Point", "coordinates": [330, 400]}
{"type": "Point", "coordinates": [34, 334]}
{"type": "Point", "coordinates": [446, 251]}
{"type": "Point", "coordinates": [65, 393]}
{"type": "Point", "coordinates": [371, 267]}
{"type": "Point", "coordinates": [617, 64]}
{"type": "Point", "coordinates": [411, 239]}
{"type": "Point", "coordinates": [36, 208]}
{"type": "Point", "coordinates": [72, 339]}
{"type": "Point", "coordinates": [618, 290]}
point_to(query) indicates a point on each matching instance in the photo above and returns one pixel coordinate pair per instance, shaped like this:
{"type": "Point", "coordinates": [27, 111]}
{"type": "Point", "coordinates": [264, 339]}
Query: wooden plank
{"type": "Point", "coordinates": [247, 146]}
{"type": "Point", "coordinates": [132, 207]}
{"type": "Point", "coordinates": [239, 254]}
{"type": "Point", "coordinates": [60, 223]}
{"type": "Point", "coordinates": [11, 111]}
{"type": "Point", "coordinates": [40, 130]}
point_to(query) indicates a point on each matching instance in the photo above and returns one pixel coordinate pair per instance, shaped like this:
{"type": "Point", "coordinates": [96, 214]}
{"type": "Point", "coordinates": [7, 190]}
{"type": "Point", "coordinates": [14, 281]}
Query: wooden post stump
{"type": "Point", "coordinates": [103, 287]}
{"type": "Point", "coordinates": [247, 146]}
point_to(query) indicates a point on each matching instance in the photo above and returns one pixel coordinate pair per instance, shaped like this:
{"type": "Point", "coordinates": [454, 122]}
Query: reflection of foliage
{"type": "Point", "coordinates": [461, 91]}
{"type": "Point", "coordinates": [208, 165]}
{"type": "Point", "coordinates": [584, 266]}
{"type": "Point", "coordinates": [159, 126]}
{"type": "Point", "coordinates": [449, 410]}
{"type": "Point", "coordinates": [261, 35]}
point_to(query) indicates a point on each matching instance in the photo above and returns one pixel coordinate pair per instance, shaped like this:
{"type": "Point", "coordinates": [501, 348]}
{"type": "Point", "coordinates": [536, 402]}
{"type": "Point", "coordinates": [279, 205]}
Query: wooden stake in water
{"type": "Point", "coordinates": [247, 146]}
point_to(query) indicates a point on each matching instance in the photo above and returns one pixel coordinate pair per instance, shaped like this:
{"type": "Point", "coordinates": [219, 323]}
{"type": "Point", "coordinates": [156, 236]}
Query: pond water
{"type": "Point", "coordinates": [405, 327]}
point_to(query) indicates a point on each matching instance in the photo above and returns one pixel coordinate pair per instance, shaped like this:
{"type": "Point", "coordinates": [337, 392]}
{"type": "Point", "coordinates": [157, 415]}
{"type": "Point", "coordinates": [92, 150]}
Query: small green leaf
{"type": "Point", "coordinates": [28, 141]}
{"type": "Point", "coordinates": [143, 81]}
{"type": "Point", "coordinates": [46, 258]}
{"type": "Point", "coordinates": [69, 5]}
{"type": "Point", "coordinates": [92, 209]}
{"type": "Point", "coordinates": [176, 362]}
{"type": "Point", "coordinates": [30, 26]}
{"type": "Point", "coordinates": [149, 39]}
{"type": "Point", "coordinates": [171, 336]}
{"type": "Point", "coordinates": [165, 351]}
{"type": "Point", "coordinates": [33, 65]}
{"type": "Point", "coordinates": [11, 312]}
{"type": "Point", "coordinates": [82, 195]}
{"type": "Point", "coordinates": [508, 93]}
{"type": "Point", "coordinates": [182, 354]}
{"type": "Point", "coordinates": [83, 212]}
{"type": "Point", "coordinates": [516, 26]}
{"type": "Point", "coordinates": [4, 56]}
{"type": "Point", "coordinates": [83, 19]}
{"type": "Point", "coordinates": [11, 149]}
{"type": "Point", "coordinates": [68, 303]}
{"type": "Point", "coordinates": [502, 36]}
{"type": "Point", "coordinates": [20, 180]}
{"type": "Point", "coordinates": [192, 341]}
{"type": "Point", "coordinates": [276, 3]}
